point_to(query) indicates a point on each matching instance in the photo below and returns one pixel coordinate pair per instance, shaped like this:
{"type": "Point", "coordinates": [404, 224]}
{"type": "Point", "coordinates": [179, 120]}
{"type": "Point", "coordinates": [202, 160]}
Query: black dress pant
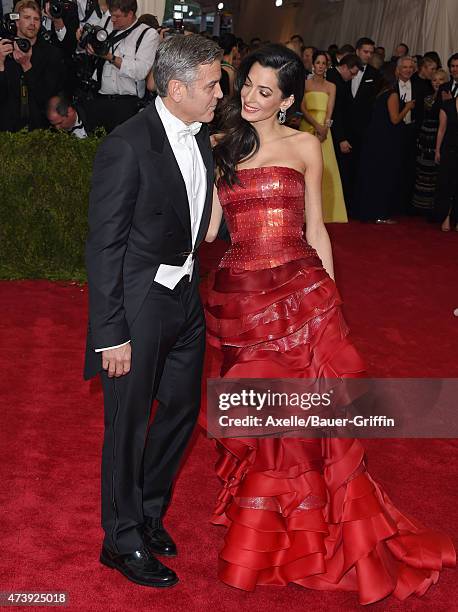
{"type": "Point", "coordinates": [139, 463]}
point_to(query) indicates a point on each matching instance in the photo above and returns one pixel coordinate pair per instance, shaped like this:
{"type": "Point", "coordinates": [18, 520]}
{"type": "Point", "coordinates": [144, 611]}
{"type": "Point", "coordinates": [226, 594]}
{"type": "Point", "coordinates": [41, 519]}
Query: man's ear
{"type": "Point", "coordinates": [175, 90]}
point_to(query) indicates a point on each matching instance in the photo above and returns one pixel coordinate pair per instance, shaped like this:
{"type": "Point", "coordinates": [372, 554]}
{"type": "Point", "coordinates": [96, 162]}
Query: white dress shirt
{"type": "Point", "coordinates": [130, 78]}
{"type": "Point", "coordinates": [78, 129]}
{"type": "Point", "coordinates": [46, 22]}
{"type": "Point", "coordinates": [454, 89]}
{"type": "Point", "coordinates": [192, 168]}
{"type": "Point", "coordinates": [189, 159]}
{"type": "Point", "coordinates": [356, 81]}
{"type": "Point", "coordinates": [405, 92]}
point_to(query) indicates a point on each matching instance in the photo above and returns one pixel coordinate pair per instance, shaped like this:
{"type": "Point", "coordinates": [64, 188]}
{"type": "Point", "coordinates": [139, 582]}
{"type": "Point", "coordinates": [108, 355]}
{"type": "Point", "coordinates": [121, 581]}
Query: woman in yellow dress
{"type": "Point", "coordinates": [317, 107]}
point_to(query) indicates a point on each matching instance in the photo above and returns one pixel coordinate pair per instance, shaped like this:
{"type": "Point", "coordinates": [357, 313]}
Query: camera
{"type": "Point", "coordinates": [178, 28]}
{"type": "Point", "coordinates": [8, 30]}
{"type": "Point", "coordinates": [96, 36]}
{"type": "Point", "coordinates": [58, 7]}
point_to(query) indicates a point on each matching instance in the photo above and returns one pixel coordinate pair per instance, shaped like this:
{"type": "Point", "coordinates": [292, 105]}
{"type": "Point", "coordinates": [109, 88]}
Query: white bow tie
{"type": "Point", "coordinates": [190, 130]}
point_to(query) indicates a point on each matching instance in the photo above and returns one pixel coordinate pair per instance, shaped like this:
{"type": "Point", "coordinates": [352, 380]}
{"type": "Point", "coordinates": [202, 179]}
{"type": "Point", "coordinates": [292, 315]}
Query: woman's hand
{"type": "Point", "coordinates": [321, 133]}
{"type": "Point", "coordinates": [437, 156]}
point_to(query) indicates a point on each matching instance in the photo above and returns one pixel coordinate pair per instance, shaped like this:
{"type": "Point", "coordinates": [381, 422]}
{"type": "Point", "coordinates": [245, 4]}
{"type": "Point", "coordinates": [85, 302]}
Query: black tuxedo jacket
{"type": "Point", "coordinates": [71, 22]}
{"type": "Point", "coordinates": [363, 103]}
{"type": "Point", "coordinates": [138, 219]}
{"type": "Point", "coordinates": [341, 127]}
{"type": "Point", "coordinates": [418, 94]}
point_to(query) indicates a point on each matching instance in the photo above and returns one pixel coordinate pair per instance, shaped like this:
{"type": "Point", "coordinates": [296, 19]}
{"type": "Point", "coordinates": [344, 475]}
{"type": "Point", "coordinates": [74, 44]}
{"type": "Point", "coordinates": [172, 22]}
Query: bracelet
{"type": "Point", "coordinates": [328, 123]}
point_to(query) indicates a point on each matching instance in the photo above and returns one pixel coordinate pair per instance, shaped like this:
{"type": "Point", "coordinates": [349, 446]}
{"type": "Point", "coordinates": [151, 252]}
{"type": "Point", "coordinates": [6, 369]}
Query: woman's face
{"type": "Point", "coordinates": [261, 96]}
{"type": "Point", "coordinates": [320, 65]}
{"type": "Point", "coordinates": [438, 80]}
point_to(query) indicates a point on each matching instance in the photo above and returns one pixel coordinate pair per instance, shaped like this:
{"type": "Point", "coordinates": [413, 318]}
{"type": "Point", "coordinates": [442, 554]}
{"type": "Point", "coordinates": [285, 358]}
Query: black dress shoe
{"type": "Point", "coordinates": [157, 539]}
{"type": "Point", "coordinates": [140, 567]}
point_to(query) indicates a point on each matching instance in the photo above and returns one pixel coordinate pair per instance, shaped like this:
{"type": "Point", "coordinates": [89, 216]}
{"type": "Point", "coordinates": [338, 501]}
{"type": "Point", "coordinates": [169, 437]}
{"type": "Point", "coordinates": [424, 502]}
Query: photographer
{"type": "Point", "coordinates": [27, 78]}
{"type": "Point", "coordinates": [123, 68]}
{"type": "Point", "coordinates": [68, 116]}
{"type": "Point", "coordinates": [60, 20]}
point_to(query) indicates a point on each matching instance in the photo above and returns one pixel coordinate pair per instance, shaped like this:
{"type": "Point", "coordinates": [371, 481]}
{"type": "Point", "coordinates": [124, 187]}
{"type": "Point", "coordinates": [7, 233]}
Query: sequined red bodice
{"type": "Point", "coordinates": [265, 216]}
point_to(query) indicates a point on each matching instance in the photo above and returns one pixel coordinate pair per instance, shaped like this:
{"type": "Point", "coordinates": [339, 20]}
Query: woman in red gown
{"type": "Point", "coordinates": [296, 510]}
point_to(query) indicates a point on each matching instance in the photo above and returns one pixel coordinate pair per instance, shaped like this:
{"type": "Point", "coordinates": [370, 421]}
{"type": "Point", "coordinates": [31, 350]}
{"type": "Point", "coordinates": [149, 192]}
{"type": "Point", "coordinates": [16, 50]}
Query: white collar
{"type": "Point", "coordinates": [173, 126]}
{"type": "Point", "coordinates": [404, 83]}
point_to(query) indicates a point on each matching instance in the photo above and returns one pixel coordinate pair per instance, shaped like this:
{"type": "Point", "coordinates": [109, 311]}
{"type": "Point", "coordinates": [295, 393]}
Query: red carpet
{"type": "Point", "coordinates": [400, 290]}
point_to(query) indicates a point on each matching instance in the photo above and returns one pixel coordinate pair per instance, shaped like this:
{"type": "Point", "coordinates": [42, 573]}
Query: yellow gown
{"type": "Point", "coordinates": [334, 210]}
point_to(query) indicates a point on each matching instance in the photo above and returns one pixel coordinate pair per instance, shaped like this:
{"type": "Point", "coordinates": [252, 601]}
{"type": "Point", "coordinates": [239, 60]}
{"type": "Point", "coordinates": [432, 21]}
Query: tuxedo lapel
{"type": "Point", "coordinates": [167, 167]}
{"type": "Point", "coordinates": [203, 142]}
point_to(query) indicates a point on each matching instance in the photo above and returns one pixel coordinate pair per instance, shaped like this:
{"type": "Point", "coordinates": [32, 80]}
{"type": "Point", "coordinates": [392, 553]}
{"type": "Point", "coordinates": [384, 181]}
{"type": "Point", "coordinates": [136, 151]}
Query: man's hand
{"type": "Point", "coordinates": [117, 361]}
{"type": "Point", "coordinates": [6, 48]}
{"type": "Point", "coordinates": [345, 146]}
{"type": "Point", "coordinates": [58, 21]}
{"type": "Point", "coordinates": [23, 59]}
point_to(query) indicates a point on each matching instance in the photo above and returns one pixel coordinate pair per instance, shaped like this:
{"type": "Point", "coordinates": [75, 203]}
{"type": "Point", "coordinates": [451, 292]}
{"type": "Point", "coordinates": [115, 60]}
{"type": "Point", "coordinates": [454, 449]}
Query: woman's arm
{"type": "Point", "coordinates": [307, 116]}
{"type": "Point", "coordinates": [316, 233]}
{"type": "Point", "coordinates": [215, 219]}
{"type": "Point", "coordinates": [331, 102]}
{"type": "Point", "coordinates": [393, 108]}
{"type": "Point", "coordinates": [440, 135]}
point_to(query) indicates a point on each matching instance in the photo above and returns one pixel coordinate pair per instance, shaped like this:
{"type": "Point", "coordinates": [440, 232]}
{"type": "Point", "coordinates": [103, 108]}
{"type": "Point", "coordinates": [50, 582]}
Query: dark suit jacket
{"type": "Point", "coordinates": [71, 22]}
{"type": "Point", "coordinates": [138, 219]}
{"type": "Point", "coordinates": [43, 80]}
{"type": "Point", "coordinates": [362, 104]}
{"type": "Point", "coordinates": [341, 127]}
{"type": "Point", "coordinates": [418, 94]}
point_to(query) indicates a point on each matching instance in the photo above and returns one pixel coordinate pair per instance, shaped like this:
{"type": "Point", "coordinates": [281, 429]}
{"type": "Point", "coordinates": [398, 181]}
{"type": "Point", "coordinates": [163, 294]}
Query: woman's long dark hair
{"type": "Point", "coordinates": [240, 140]}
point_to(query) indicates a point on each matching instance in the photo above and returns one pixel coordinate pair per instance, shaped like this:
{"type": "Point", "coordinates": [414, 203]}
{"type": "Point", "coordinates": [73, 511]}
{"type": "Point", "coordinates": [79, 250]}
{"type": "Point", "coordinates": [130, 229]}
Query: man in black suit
{"type": "Point", "coordinates": [342, 75]}
{"type": "Point", "coordinates": [69, 116]}
{"type": "Point", "coordinates": [28, 79]}
{"type": "Point", "coordinates": [149, 210]}
{"type": "Point", "coordinates": [450, 89]}
{"type": "Point", "coordinates": [363, 93]}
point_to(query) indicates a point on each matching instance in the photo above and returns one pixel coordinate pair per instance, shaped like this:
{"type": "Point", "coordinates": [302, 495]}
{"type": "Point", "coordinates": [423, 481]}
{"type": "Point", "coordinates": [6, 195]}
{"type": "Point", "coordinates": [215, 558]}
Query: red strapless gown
{"type": "Point", "coordinates": [299, 510]}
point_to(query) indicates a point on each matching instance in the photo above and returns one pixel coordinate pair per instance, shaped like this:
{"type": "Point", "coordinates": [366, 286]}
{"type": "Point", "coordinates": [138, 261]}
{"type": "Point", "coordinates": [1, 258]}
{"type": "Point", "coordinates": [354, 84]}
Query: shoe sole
{"type": "Point", "coordinates": [111, 565]}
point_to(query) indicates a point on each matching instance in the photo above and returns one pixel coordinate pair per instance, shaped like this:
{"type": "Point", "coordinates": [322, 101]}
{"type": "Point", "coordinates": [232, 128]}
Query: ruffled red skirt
{"type": "Point", "coordinates": [305, 510]}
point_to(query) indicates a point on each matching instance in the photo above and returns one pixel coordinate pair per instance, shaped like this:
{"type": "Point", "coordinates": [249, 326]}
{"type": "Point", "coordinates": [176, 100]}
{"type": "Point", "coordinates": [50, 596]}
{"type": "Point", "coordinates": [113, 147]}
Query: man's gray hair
{"type": "Point", "coordinates": [179, 57]}
{"type": "Point", "coordinates": [404, 58]}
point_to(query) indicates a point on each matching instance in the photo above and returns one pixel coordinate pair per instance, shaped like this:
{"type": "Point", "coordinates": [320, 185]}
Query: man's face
{"type": "Point", "coordinates": [454, 70]}
{"type": "Point", "coordinates": [400, 51]}
{"type": "Point", "coordinates": [28, 24]}
{"type": "Point", "coordinates": [200, 98]}
{"type": "Point", "coordinates": [406, 70]}
{"type": "Point", "coordinates": [428, 70]}
{"type": "Point", "coordinates": [307, 58]}
{"type": "Point", "coordinates": [365, 53]}
{"type": "Point", "coordinates": [121, 21]}
{"type": "Point", "coordinates": [348, 73]}
{"type": "Point", "coordinates": [59, 122]}
{"type": "Point", "coordinates": [380, 51]}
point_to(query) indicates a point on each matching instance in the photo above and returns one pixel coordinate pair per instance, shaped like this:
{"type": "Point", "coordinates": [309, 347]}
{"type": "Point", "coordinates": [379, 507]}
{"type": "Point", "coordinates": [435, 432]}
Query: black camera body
{"type": "Point", "coordinates": [96, 36]}
{"type": "Point", "coordinates": [8, 31]}
{"type": "Point", "coordinates": [58, 7]}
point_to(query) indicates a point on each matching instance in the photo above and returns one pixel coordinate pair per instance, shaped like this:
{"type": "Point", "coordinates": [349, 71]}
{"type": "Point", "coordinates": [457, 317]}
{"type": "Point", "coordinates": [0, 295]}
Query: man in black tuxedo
{"type": "Point", "coordinates": [149, 210]}
{"type": "Point", "coordinates": [363, 93]}
{"type": "Point", "coordinates": [342, 75]}
{"type": "Point", "coordinates": [69, 116]}
{"type": "Point", "coordinates": [450, 89]}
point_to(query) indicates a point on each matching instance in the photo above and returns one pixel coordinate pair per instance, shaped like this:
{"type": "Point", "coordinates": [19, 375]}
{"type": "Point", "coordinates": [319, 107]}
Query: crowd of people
{"type": "Point", "coordinates": [388, 127]}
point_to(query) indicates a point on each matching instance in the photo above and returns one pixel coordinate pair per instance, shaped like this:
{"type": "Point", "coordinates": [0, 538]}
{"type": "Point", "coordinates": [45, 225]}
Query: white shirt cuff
{"type": "Point", "coordinates": [61, 34]}
{"type": "Point", "coordinates": [99, 350]}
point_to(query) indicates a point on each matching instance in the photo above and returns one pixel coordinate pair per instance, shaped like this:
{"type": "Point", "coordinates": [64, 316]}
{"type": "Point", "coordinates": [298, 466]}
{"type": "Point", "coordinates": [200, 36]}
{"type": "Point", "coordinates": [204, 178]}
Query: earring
{"type": "Point", "coordinates": [282, 116]}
